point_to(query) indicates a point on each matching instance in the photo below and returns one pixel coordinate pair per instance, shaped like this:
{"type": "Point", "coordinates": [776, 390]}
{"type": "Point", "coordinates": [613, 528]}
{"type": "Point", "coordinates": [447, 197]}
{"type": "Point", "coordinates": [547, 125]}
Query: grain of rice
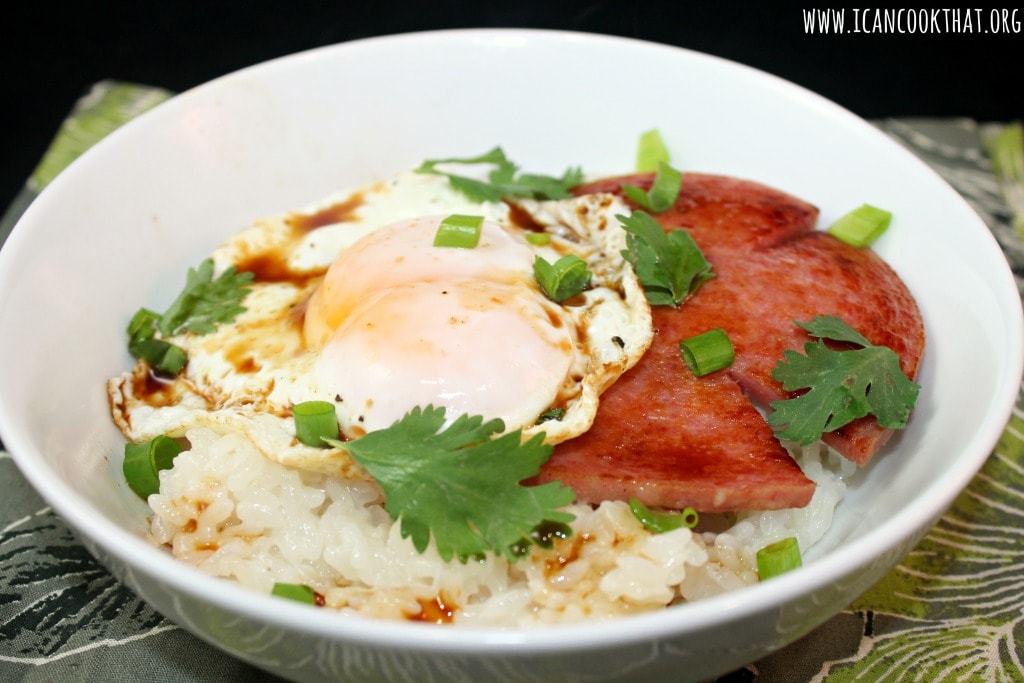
{"type": "Point", "coordinates": [231, 512]}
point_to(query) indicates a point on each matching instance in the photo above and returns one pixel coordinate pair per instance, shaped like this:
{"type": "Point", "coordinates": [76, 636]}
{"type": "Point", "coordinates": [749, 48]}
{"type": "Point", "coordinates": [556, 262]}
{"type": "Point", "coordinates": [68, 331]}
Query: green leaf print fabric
{"type": "Point", "coordinates": [107, 106]}
{"type": "Point", "coordinates": [953, 608]}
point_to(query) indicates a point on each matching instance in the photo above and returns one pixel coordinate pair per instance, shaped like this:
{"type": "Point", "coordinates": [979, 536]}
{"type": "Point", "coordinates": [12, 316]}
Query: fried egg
{"type": "Point", "coordinates": [353, 304]}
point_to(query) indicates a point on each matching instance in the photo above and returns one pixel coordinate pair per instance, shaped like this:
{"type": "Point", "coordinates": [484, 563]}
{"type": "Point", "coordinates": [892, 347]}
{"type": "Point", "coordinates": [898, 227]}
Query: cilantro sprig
{"type": "Point", "coordinates": [843, 385]}
{"type": "Point", "coordinates": [504, 180]}
{"type": "Point", "coordinates": [204, 303]}
{"type": "Point", "coordinates": [461, 484]}
{"type": "Point", "coordinates": [670, 265]}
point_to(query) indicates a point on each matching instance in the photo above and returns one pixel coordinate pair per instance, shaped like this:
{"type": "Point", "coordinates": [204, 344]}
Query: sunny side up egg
{"type": "Point", "coordinates": [400, 323]}
{"type": "Point", "coordinates": [354, 305]}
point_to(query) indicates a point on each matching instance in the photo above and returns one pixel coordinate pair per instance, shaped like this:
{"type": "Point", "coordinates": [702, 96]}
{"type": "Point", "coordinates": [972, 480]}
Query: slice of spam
{"type": "Point", "coordinates": [672, 440]}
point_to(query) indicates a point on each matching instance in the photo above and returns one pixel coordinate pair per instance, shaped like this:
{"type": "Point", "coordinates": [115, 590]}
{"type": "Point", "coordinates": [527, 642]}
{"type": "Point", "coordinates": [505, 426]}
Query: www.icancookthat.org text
{"type": "Point", "coordinates": [831, 20]}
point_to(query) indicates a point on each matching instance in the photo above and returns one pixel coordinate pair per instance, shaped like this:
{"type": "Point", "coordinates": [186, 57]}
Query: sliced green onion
{"type": "Point", "coordinates": [538, 238]}
{"type": "Point", "coordinates": [651, 151]}
{"type": "Point", "coordinates": [778, 558]}
{"type": "Point", "coordinates": [295, 591]}
{"type": "Point", "coordinates": [314, 422]}
{"type": "Point", "coordinates": [172, 362]}
{"type": "Point", "coordinates": [143, 324]}
{"type": "Point", "coordinates": [143, 462]}
{"type": "Point", "coordinates": [520, 548]}
{"type": "Point", "coordinates": [551, 414]}
{"type": "Point", "coordinates": [663, 193]}
{"type": "Point", "coordinates": [545, 533]}
{"type": "Point", "coordinates": [862, 226]}
{"type": "Point", "coordinates": [459, 231]}
{"type": "Point", "coordinates": [164, 357]}
{"type": "Point", "coordinates": [707, 352]}
{"type": "Point", "coordinates": [564, 279]}
{"type": "Point", "coordinates": [660, 522]}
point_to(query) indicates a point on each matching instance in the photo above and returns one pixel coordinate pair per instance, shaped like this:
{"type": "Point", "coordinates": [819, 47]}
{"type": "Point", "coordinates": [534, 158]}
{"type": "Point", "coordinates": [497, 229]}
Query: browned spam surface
{"type": "Point", "coordinates": [672, 440]}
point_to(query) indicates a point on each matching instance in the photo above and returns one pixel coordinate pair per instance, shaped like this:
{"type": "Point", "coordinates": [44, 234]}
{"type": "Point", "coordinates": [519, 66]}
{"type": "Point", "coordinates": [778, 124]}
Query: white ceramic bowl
{"type": "Point", "coordinates": [122, 224]}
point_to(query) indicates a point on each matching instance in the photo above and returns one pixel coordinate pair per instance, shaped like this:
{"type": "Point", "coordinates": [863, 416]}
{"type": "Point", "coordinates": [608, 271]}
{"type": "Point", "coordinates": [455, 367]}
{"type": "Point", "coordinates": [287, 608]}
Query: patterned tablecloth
{"type": "Point", "coordinates": [952, 610]}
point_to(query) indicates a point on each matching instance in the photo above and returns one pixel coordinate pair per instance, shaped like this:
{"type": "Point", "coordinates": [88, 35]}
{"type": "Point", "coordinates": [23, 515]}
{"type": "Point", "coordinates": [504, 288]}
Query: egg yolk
{"type": "Point", "coordinates": [398, 323]}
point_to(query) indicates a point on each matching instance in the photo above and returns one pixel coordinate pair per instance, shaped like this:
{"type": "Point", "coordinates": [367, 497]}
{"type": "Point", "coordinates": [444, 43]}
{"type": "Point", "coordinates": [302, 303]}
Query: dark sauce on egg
{"type": "Point", "coordinates": [156, 391]}
{"type": "Point", "coordinates": [521, 219]}
{"type": "Point", "coordinates": [272, 266]}
{"type": "Point", "coordinates": [242, 360]}
{"type": "Point", "coordinates": [335, 213]}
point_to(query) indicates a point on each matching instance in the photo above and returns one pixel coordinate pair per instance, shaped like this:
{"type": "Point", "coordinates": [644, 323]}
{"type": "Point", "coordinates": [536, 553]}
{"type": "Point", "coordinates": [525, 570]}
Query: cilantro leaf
{"type": "Point", "coordinates": [201, 306]}
{"type": "Point", "coordinates": [206, 302]}
{"type": "Point", "coordinates": [663, 193]}
{"type": "Point", "coordinates": [670, 265]}
{"type": "Point", "coordinates": [460, 484]}
{"type": "Point", "coordinates": [834, 328]}
{"type": "Point", "coordinates": [503, 180]}
{"type": "Point", "coordinates": [842, 385]}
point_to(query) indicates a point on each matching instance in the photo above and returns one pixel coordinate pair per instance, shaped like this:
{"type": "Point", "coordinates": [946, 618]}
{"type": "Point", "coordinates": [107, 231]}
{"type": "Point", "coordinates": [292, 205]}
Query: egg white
{"type": "Point", "coordinates": [247, 375]}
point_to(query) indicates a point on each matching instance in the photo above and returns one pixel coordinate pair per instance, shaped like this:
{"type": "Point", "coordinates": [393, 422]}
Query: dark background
{"type": "Point", "coordinates": [52, 53]}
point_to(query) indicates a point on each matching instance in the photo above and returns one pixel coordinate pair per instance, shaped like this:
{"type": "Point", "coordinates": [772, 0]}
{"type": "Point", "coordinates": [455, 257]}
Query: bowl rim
{"type": "Point", "coordinates": [916, 518]}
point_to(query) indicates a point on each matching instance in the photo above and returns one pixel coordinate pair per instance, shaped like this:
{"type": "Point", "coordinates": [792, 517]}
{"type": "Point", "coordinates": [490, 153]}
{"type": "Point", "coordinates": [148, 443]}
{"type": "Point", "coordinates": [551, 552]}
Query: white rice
{"type": "Point", "coordinates": [233, 513]}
